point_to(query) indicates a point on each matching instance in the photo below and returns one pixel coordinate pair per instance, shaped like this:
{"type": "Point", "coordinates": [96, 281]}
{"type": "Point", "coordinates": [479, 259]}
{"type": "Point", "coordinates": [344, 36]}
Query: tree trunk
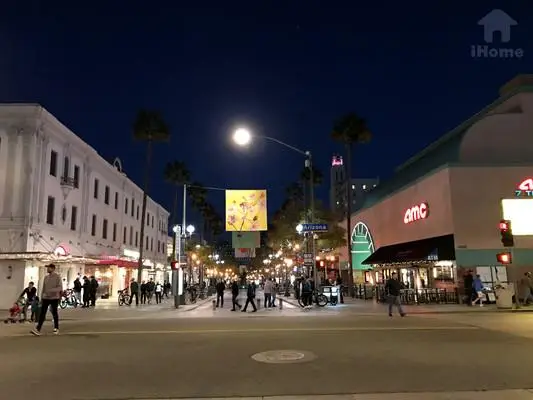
{"type": "Point", "coordinates": [348, 178]}
{"type": "Point", "coordinates": [143, 213]}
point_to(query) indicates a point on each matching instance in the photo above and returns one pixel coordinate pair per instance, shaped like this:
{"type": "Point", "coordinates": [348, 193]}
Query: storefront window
{"type": "Point", "coordinates": [443, 273]}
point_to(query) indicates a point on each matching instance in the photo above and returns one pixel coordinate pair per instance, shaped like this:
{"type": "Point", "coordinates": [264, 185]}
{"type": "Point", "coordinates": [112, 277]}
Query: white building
{"type": "Point", "coordinates": [61, 202]}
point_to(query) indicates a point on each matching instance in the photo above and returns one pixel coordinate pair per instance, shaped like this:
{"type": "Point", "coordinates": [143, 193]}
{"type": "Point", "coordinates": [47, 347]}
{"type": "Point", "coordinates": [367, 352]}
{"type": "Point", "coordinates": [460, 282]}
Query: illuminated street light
{"type": "Point", "coordinates": [190, 229]}
{"type": "Point", "coordinates": [299, 228]}
{"type": "Point", "coordinates": [176, 228]}
{"type": "Point", "coordinates": [242, 137]}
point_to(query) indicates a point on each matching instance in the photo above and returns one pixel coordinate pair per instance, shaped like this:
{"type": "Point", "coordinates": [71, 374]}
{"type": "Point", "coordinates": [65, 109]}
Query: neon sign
{"type": "Point", "coordinates": [60, 251]}
{"type": "Point", "coordinates": [416, 213]}
{"type": "Point", "coordinates": [525, 188]}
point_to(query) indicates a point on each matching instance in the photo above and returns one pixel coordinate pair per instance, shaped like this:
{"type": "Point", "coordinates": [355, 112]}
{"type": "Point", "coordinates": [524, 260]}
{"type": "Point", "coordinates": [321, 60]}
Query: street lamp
{"type": "Point", "coordinates": [242, 137]}
{"type": "Point", "coordinates": [299, 228]}
{"type": "Point", "coordinates": [190, 229]}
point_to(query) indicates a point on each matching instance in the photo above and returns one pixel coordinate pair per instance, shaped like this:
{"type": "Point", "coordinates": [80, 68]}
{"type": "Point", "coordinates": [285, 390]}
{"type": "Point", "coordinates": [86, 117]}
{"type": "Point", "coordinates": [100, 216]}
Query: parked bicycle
{"type": "Point", "coordinates": [68, 299]}
{"type": "Point", "coordinates": [317, 298]}
{"type": "Point", "coordinates": [123, 297]}
{"type": "Point", "coordinates": [191, 295]}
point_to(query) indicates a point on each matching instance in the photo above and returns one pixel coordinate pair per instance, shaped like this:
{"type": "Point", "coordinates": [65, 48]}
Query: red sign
{"type": "Point", "coordinates": [526, 184]}
{"type": "Point", "coordinates": [416, 213]}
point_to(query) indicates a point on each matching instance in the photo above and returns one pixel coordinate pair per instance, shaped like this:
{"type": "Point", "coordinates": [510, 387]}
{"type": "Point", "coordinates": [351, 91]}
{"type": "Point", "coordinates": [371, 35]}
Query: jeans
{"type": "Point", "coordinates": [53, 304]}
{"type": "Point", "coordinates": [235, 301]}
{"type": "Point", "coordinates": [395, 301]}
{"type": "Point", "coordinates": [220, 299]}
{"type": "Point", "coordinates": [158, 297]}
{"type": "Point", "coordinates": [268, 300]}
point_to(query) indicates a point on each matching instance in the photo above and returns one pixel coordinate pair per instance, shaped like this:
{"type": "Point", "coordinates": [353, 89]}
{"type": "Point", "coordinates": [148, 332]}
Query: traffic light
{"type": "Point", "coordinates": [174, 265]}
{"type": "Point", "coordinates": [506, 233]}
{"type": "Point", "coordinates": [504, 258]}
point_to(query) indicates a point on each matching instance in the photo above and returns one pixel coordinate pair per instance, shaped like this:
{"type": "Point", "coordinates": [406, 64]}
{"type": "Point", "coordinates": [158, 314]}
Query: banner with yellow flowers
{"type": "Point", "coordinates": [246, 210]}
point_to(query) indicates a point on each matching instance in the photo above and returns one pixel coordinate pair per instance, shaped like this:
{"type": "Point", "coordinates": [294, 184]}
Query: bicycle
{"type": "Point", "coordinates": [68, 299]}
{"type": "Point", "coordinates": [192, 295]}
{"type": "Point", "coordinates": [317, 298]}
{"type": "Point", "coordinates": [123, 297]}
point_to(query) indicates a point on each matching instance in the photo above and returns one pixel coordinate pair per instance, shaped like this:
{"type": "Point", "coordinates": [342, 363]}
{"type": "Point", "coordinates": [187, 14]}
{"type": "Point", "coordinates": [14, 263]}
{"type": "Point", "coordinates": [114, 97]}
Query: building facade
{"type": "Point", "coordinates": [337, 192]}
{"type": "Point", "coordinates": [439, 215]}
{"type": "Point", "coordinates": [63, 203]}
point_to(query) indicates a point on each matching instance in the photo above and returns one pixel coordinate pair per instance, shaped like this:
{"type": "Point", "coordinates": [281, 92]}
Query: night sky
{"type": "Point", "coordinates": [283, 68]}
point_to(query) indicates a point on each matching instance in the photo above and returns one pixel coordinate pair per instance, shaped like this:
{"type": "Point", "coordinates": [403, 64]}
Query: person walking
{"type": "Point", "coordinates": [477, 285]}
{"type": "Point", "coordinates": [235, 295]}
{"type": "Point", "coordinates": [93, 289]}
{"type": "Point", "coordinates": [77, 290]}
{"type": "Point", "coordinates": [250, 296]}
{"type": "Point", "coordinates": [220, 287]}
{"type": "Point", "coordinates": [393, 289]}
{"type": "Point", "coordinates": [52, 288]}
{"type": "Point", "coordinates": [267, 290]}
{"type": "Point", "coordinates": [134, 291]}
{"type": "Point", "coordinates": [86, 292]}
{"type": "Point", "coordinates": [158, 293]}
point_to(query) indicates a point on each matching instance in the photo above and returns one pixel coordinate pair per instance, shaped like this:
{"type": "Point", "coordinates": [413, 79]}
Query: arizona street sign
{"type": "Point", "coordinates": [314, 227]}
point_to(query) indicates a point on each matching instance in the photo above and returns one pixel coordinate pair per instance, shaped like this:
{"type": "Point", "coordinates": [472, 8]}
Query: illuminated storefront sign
{"type": "Point", "coordinates": [61, 251]}
{"type": "Point", "coordinates": [416, 213]}
{"type": "Point", "coordinates": [336, 161]}
{"type": "Point", "coordinates": [525, 188]}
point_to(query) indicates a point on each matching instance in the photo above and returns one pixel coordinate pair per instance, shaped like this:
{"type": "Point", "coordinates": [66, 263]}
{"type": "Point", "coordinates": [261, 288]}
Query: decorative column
{"type": "Point", "coordinates": [11, 167]}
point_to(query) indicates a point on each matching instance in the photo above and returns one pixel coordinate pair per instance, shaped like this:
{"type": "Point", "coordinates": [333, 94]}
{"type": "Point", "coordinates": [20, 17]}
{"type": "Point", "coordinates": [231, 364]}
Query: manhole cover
{"type": "Point", "coordinates": [284, 356]}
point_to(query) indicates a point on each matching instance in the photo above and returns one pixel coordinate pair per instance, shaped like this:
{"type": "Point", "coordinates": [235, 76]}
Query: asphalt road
{"type": "Point", "coordinates": [208, 354]}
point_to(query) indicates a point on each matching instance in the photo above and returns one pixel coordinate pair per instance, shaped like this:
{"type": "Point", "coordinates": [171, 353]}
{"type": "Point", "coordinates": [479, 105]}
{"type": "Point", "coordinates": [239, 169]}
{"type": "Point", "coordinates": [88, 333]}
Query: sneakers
{"type": "Point", "coordinates": [56, 331]}
{"type": "Point", "coordinates": [35, 332]}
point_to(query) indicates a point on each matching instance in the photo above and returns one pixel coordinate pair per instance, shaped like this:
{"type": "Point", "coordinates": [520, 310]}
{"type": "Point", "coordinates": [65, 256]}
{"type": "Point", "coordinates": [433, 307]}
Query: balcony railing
{"type": "Point", "coordinates": [68, 182]}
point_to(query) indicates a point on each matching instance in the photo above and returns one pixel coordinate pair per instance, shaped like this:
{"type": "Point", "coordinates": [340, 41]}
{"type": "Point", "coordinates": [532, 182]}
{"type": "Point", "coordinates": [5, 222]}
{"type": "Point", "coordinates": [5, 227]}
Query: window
{"type": "Point", "coordinates": [53, 163]}
{"type": "Point", "coordinates": [136, 239]}
{"type": "Point", "coordinates": [50, 210]}
{"type": "Point", "coordinates": [125, 206]}
{"type": "Point", "coordinates": [147, 219]}
{"type": "Point", "coordinates": [73, 218]}
{"type": "Point", "coordinates": [116, 200]}
{"type": "Point", "coordinates": [146, 243]}
{"type": "Point", "coordinates": [96, 187]}
{"type": "Point", "coordinates": [93, 225]}
{"type": "Point", "coordinates": [104, 229]}
{"type": "Point", "coordinates": [106, 195]}
{"type": "Point", "coordinates": [114, 231]}
{"type": "Point", "coordinates": [76, 177]}
{"type": "Point", "coordinates": [152, 221]}
{"type": "Point", "coordinates": [131, 235]}
{"type": "Point", "coordinates": [66, 167]}
{"type": "Point", "coordinates": [132, 206]}
{"type": "Point", "coordinates": [152, 244]}
{"type": "Point", "coordinates": [137, 213]}
{"type": "Point", "coordinates": [125, 235]}
{"type": "Point", "coordinates": [159, 246]}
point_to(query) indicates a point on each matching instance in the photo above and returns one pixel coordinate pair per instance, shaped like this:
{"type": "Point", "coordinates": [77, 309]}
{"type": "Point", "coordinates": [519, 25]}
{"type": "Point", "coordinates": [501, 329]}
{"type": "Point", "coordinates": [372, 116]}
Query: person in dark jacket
{"type": "Point", "coordinates": [86, 292]}
{"type": "Point", "coordinates": [221, 287]}
{"type": "Point", "coordinates": [250, 297]}
{"type": "Point", "coordinates": [134, 291]}
{"type": "Point", "coordinates": [93, 289]}
{"type": "Point", "coordinates": [393, 289]}
{"type": "Point", "coordinates": [77, 289]}
{"type": "Point", "coordinates": [468, 281]}
{"type": "Point", "coordinates": [144, 291]}
{"type": "Point", "coordinates": [235, 295]}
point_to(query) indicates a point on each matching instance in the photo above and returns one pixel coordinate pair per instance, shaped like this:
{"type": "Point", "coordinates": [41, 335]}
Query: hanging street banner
{"type": "Point", "coordinates": [246, 210]}
{"type": "Point", "coordinates": [245, 240]}
{"type": "Point", "coordinates": [244, 253]}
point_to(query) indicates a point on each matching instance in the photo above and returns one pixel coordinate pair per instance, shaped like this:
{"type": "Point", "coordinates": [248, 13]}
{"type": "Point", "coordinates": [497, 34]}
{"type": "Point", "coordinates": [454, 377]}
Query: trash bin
{"type": "Point", "coordinates": [504, 296]}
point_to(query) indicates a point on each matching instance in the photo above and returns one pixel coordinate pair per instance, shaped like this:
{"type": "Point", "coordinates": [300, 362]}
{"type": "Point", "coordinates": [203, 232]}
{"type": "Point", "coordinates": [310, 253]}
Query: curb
{"type": "Point", "coordinates": [199, 304]}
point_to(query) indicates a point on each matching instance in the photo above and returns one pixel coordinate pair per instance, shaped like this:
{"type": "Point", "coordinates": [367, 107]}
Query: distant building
{"type": "Point", "coordinates": [337, 192]}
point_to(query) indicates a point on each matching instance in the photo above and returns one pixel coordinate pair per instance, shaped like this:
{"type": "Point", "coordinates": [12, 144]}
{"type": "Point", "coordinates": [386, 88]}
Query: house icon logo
{"type": "Point", "coordinates": [497, 26]}
{"type": "Point", "coordinates": [497, 21]}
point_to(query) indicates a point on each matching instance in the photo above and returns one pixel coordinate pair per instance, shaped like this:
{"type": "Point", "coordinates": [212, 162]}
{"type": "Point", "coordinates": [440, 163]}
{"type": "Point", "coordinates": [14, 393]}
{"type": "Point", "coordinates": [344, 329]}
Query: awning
{"type": "Point", "coordinates": [438, 248]}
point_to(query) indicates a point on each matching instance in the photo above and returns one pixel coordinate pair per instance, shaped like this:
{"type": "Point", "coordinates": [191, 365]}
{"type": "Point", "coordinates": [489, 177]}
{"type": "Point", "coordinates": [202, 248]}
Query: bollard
{"type": "Point", "coordinates": [214, 305]}
{"type": "Point", "coordinates": [280, 300]}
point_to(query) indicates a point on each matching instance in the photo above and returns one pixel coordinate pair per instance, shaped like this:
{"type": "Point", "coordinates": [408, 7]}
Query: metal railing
{"type": "Point", "coordinates": [409, 296]}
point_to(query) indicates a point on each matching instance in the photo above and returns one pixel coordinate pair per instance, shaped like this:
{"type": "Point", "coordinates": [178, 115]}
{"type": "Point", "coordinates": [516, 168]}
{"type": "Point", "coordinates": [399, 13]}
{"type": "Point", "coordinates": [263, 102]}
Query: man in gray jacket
{"type": "Point", "coordinates": [52, 288]}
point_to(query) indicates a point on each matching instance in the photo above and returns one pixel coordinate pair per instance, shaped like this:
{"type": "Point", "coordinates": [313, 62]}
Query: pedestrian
{"type": "Point", "coordinates": [143, 292]}
{"type": "Point", "coordinates": [307, 293]}
{"type": "Point", "coordinates": [468, 281]}
{"type": "Point", "coordinates": [93, 289]}
{"type": "Point", "coordinates": [275, 289]}
{"type": "Point", "coordinates": [250, 296]}
{"type": "Point", "coordinates": [86, 292]}
{"type": "Point", "coordinates": [220, 288]}
{"type": "Point", "coordinates": [150, 287]}
{"type": "Point", "coordinates": [134, 291]}
{"type": "Point", "coordinates": [340, 286]}
{"type": "Point", "coordinates": [477, 285]}
{"type": "Point", "coordinates": [52, 289]}
{"type": "Point", "coordinates": [393, 289]}
{"type": "Point", "coordinates": [29, 292]}
{"type": "Point", "coordinates": [235, 295]}
{"type": "Point", "coordinates": [77, 290]}
{"type": "Point", "coordinates": [267, 293]}
{"type": "Point", "coordinates": [158, 293]}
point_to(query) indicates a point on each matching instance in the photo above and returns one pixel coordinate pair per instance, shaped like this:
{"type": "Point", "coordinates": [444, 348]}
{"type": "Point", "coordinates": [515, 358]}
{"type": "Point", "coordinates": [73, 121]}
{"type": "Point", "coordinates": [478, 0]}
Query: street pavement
{"type": "Point", "coordinates": [161, 353]}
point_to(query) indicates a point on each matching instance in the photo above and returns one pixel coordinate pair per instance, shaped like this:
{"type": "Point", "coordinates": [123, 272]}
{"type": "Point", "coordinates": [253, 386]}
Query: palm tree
{"type": "Point", "coordinates": [350, 130]}
{"type": "Point", "coordinates": [177, 174]}
{"type": "Point", "coordinates": [150, 127]}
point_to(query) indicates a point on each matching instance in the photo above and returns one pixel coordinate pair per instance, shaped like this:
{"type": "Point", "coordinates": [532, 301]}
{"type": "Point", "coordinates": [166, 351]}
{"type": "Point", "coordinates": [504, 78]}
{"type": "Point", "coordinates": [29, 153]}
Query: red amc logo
{"type": "Point", "coordinates": [416, 213]}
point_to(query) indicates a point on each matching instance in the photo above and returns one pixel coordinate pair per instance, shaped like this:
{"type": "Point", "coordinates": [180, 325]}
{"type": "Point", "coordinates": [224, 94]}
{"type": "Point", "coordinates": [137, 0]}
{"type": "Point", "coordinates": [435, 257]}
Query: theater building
{"type": "Point", "coordinates": [439, 214]}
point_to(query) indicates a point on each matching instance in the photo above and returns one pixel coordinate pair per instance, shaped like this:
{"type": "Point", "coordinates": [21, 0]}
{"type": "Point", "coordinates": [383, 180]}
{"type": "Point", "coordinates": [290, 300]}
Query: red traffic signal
{"type": "Point", "coordinates": [174, 265]}
{"type": "Point", "coordinates": [504, 258]}
{"type": "Point", "coordinates": [506, 233]}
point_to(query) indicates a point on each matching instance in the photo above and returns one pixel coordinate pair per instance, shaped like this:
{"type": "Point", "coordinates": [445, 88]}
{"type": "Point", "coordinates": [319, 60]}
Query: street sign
{"type": "Point", "coordinates": [314, 227]}
{"type": "Point", "coordinates": [308, 258]}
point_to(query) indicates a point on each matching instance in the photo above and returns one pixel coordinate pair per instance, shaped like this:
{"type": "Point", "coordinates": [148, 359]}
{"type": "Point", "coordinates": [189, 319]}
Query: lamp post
{"type": "Point", "coordinates": [243, 137]}
{"type": "Point", "coordinates": [177, 257]}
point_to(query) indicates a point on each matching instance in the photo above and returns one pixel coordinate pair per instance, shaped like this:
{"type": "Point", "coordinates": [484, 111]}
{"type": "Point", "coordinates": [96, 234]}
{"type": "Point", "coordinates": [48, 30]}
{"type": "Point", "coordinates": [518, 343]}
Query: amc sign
{"type": "Point", "coordinates": [416, 213]}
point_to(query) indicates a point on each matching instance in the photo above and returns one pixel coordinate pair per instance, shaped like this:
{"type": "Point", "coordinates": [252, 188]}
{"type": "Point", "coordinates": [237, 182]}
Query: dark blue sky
{"type": "Point", "coordinates": [285, 68]}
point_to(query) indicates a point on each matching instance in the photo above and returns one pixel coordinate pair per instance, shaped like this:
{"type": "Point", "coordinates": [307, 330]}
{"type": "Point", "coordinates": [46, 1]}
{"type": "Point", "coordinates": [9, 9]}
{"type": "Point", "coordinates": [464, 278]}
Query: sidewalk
{"type": "Point", "coordinates": [371, 307]}
{"type": "Point", "coordinates": [477, 395]}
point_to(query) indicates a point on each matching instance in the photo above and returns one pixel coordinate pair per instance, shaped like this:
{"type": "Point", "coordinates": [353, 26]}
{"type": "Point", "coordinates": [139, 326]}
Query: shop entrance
{"type": "Point", "coordinates": [362, 246]}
